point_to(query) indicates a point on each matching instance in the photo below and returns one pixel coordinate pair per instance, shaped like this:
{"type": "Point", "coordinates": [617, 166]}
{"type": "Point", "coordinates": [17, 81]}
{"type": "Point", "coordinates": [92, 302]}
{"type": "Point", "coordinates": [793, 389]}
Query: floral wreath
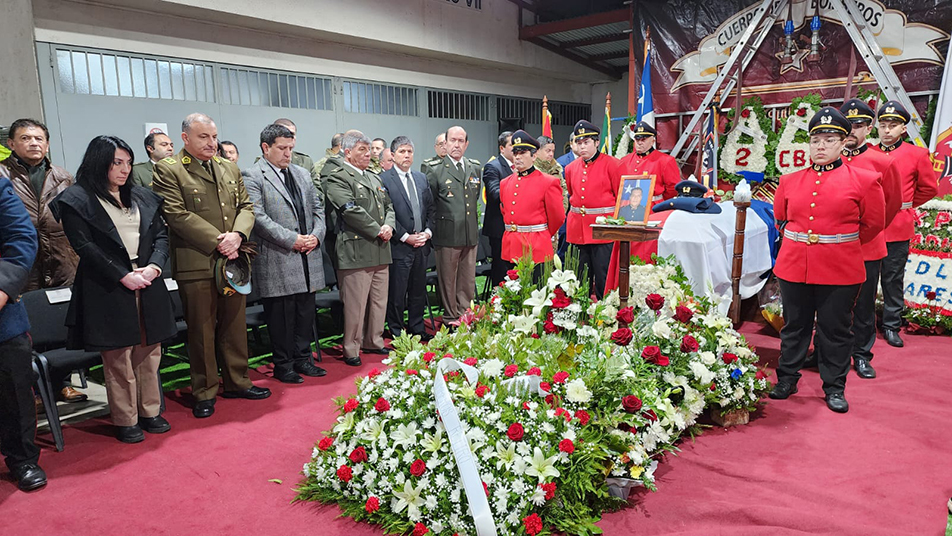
{"type": "Point", "coordinates": [624, 143]}
{"type": "Point", "coordinates": [746, 135]}
{"type": "Point", "coordinates": [791, 138]}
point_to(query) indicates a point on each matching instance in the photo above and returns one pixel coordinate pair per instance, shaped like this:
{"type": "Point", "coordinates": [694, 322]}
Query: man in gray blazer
{"type": "Point", "coordinates": [414, 212]}
{"type": "Point", "coordinates": [288, 270]}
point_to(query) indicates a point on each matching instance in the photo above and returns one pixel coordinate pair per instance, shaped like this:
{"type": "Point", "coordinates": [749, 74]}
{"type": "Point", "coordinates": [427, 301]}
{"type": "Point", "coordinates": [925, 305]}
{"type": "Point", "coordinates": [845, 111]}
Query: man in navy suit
{"type": "Point", "coordinates": [415, 212]}
{"type": "Point", "coordinates": [493, 227]}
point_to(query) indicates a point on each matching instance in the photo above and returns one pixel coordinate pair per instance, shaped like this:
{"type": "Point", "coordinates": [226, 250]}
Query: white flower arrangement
{"type": "Point", "coordinates": [792, 156]}
{"type": "Point", "coordinates": [735, 154]}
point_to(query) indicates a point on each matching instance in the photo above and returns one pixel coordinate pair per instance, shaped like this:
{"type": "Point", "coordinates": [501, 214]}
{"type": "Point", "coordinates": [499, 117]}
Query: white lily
{"type": "Point", "coordinates": [405, 435]}
{"type": "Point", "coordinates": [565, 279]}
{"type": "Point", "coordinates": [522, 324]}
{"type": "Point", "coordinates": [540, 466]}
{"type": "Point", "coordinates": [345, 424]}
{"type": "Point", "coordinates": [409, 498]}
{"type": "Point", "coordinates": [433, 442]}
{"type": "Point", "coordinates": [505, 456]}
{"type": "Point", "coordinates": [538, 300]}
{"type": "Point", "coordinates": [373, 430]}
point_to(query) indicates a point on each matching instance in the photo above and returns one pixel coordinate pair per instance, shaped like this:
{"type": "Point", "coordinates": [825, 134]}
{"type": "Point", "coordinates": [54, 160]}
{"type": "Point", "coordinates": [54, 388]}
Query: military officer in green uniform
{"type": "Point", "coordinates": [158, 146]}
{"type": "Point", "coordinates": [333, 152]}
{"type": "Point", "coordinates": [209, 215]}
{"type": "Point", "coordinates": [455, 181]}
{"type": "Point", "coordinates": [547, 164]}
{"type": "Point", "coordinates": [363, 218]}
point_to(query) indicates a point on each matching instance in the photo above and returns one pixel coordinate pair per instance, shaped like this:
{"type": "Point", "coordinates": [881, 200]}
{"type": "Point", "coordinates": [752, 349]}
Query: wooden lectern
{"type": "Point", "coordinates": [623, 235]}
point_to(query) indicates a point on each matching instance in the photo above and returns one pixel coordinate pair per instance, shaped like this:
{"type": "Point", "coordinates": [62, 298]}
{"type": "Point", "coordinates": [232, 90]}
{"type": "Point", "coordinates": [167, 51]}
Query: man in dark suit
{"type": "Point", "coordinates": [414, 209]}
{"type": "Point", "coordinates": [493, 172]}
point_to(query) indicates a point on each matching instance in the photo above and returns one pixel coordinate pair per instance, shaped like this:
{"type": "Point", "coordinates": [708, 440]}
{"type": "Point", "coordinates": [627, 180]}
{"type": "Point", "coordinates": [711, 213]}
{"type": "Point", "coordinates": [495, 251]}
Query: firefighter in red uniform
{"type": "Point", "coordinates": [646, 160]}
{"type": "Point", "coordinates": [919, 184]}
{"type": "Point", "coordinates": [531, 205]}
{"type": "Point", "coordinates": [592, 181]}
{"type": "Point", "coordinates": [825, 212]}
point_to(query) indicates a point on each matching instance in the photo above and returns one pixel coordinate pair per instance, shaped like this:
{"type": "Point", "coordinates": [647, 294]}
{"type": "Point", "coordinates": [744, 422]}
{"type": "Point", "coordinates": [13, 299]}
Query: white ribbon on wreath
{"type": "Point", "coordinates": [737, 156]}
{"type": "Point", "coordinates": [626, 137]}
{"type": "Point", "coordinates": [792, 156]}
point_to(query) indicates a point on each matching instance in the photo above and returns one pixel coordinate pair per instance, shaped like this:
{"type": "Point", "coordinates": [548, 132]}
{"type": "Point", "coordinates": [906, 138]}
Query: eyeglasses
{"type": "Point", "coordinates": [825, 142]}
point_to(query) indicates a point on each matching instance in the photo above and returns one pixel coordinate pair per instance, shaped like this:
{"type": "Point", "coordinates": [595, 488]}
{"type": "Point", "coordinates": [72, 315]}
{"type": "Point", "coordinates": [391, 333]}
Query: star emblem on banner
{"type": "Point", "coordinates": [796, 64]}
{"type": "Point", "coordinates": [628, 189]}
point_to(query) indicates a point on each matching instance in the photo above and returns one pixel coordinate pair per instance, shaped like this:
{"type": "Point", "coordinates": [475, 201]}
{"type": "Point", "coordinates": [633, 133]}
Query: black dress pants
{"type": "Point", "coordinates": [498, 266]}
{"type": "Point", "coordinates": [893, 271]}
{"type": "Point", "coordinates": [17, 409]}
{"type": "Point", "coordinates": [864, 314]}
{"type": "Point", "coordinates": [595, 258]}
{"type": "Point", "coordinates": [832, 307]}
{"type": "Point", "coordinates": [407, 292]}
{"type": "Point", "coordinates": [291, 327]}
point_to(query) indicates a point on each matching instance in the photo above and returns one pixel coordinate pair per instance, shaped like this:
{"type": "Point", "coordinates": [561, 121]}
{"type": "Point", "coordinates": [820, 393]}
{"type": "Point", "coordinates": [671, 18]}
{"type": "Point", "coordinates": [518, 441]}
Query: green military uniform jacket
{"type": "Point", "coordinates": [375, 166]}
{"type": "Point", "coordinates": [357, 207]}
{"type": "Point", "coordinates": [198, 208]}
{"type": "Point", "coordinates": [317, 170]}
{"type": "Point", "coordinates": [456, 194]}
{"type": "Point", "coordinates": [142, 174]}
{"type": "Point", "coordinates": [551, 167]}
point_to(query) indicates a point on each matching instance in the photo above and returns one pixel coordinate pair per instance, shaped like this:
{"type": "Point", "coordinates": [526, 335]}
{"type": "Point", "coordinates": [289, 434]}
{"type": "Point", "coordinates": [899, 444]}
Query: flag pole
{"type": "Point", "coordinates": [632, 96]}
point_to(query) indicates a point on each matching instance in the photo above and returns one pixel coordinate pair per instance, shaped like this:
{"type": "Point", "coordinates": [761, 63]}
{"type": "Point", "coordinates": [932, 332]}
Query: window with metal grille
{"type": "Point", "coordinates": [455, 105]}
{"type": "Point", "coordinates": [370, 98]}
{"type": "Point", "coordinates": [253, 87]}
{"type": "Point", "coordinates": [122, 75]}
{"type": "Point", "coordinates": [567, 114]}
{"type": "Point", "coordinates": [563, 113]}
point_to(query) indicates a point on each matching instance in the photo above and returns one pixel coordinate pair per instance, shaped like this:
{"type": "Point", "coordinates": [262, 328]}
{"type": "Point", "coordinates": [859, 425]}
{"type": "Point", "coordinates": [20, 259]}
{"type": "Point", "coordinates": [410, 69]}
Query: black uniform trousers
{"type": "Point", "coordinates": [595, 258]}
{"type": "Point", "coordinates": [864, 314]}
{"type": "Point", "coordinates": [407, 292]}
{"type": "Point", "coordinates": [290, 322]}
{"type": "Point", "coordinates": [832, 307]}
{"type": "Point", "coordinates": [17, 409]}
{"type": "Point", "coordinates": [499, 266]}
{"type": "Point", "coordinates": [893, 271]}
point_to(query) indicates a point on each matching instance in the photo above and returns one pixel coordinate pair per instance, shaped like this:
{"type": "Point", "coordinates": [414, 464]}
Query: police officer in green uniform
{"type": "Point", "coordinates": [209, 215]}
{"type": "Point", "coordinates": [158, 146]}
{"type": "Point", "coordinates": [362, 215]}
{"type": "Point", "coordinates": [455, 181]}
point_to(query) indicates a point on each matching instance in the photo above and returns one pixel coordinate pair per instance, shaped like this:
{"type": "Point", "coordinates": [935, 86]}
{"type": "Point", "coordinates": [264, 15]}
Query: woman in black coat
{"type": "Point", "coordinates": [120, 304]}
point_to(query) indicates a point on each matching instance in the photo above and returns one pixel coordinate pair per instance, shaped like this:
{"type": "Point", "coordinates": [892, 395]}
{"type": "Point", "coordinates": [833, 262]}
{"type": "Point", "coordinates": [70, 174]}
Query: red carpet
{"type": "Point", "coordinates": [883, 468]}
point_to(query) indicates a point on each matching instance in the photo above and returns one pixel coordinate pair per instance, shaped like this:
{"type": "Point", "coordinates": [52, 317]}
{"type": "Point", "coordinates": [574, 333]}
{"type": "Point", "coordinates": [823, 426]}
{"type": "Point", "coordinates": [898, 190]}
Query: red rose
{"type": "Point", "coordinates": [350, 405]}
{"type": "Point", "coordinates": [534, 371]}
{"type": "Point", "coordinates": [325, 443]}
{"type": "Point", "coordinates": [382, 405]}
{"type": "Point", "coordinates": [510, 371]}
{"type": "Point", "coordinates": [513, 275]}
{"type": "Point", "coordinates": [420, 529]}
{"type": "Point", "coordinates": [373, 373]}
{"type": "Point", "coordinates": [549, 489]}
{"type": "Point", "coordinates": [550, 399]}
{"type": "Point", "coordinates": [560, 301]}
{"type": "Point", "coordinates": [358, 455]}
{"type": "Point", "coordinates": [871, 103]}
{"type": "Point", "coordinates": [545, 386]}
{"type": "Point", "coordinates": [650, 415]}
{"type": "Point", "coordinates": [651, 353]}
{"type": "Point", "coordinates": [930, 295]}
{"type": "Point", "coordinates": [631, 403]}
{"type": "Point", "coordinates": [582, 416]}
{"type": "Point", "coordinates": [713, 386]}
{"type": "Point", "coordinates": [429, 356]}
{"type": "Point", "coordinates": [663, 361]}
{"type": "Point", "coordinates": [683, 314]}
{"type": "Point", "coordinates": [567, 446]}
{"type": "Point", "coordinates": [626, 315]}
{"type": "Point", "coordinates": [622, 336]}
{"type": "Point", "coordinates": [481, 390]}
{"type": "Point", "coordinates": [654, 301]}
{"type": "Point", "coordinates": [689, 344]}
{"type": "Point", "coordinates": [447, 355]}
{"type": "Point", "coordinates": [412, 372]}
{"type": "Point", "coordinates": [560, 377]}
{"type": "Point", "coordinates": [471, 361]}
{"type": "Point", "coordinates": [533, 524]}
{"type": "Point", "coordinates": [344, 473]}
{"type": "Point", "coordinates": [801, 112]}
{"type": "Point", "coordinates": [418, 467]}
{"type": "Point", "coordinates": [745, 113]}
{"type": "Point", "coordinates": [729, 358]}
{"type": "Point", "coordinates": [549, 327]}
{"type": "Point", "coordinates": [534, 335]}
{"type": "Point", "coordinates": [760, 375]}
{"type": "Point", "coordinates": [525, 405]}
{"type": "Point", "coordinates": [372, 505]}
{"type": "Point", "coordinates": [515, 432]}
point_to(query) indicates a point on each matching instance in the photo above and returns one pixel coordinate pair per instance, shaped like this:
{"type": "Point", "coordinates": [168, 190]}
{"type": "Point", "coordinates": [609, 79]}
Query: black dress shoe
{"type": "Point", "coordinates": [892, 338]}
{"type": "Point", "coordinates": [378, 351]}
{"type": "Point", "coordinates": [29, 476]}
{"type": "Point", "coordinates": [287, 376]}
{"type": "Point", "coordinates": [863, 368]}
{"type": "Point", "coordinates": [837, 402]}
{"type": "Point", "coordinates": [130, 434]}
{"type": "Point", "coordinates": [308, 369]}
{"type": "Point", "coordinates": [783, 390]}
{"type": "Point", "coordinates": [204, 409]}
{"type": "Point", "coordinates": [352, 361]}
{"type": "Point", "coordinates": [154, 425]}
{"type": "Point", "coordinates": [252, 393]}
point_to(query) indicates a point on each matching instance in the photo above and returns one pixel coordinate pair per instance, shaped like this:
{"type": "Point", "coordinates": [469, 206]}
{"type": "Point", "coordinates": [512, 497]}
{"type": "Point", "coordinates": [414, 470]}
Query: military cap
{"type": "Point", "coordinates": [695, 205]}
{"type": "Point", "coordinates": [643, 129]}
{"type": "Point", "coordinates": [584, 128]}
{"type": "Point", "coordinates": [688, 188]}
{"type": "Point", "coordinates": [830, 120]}
{"type": "Point", "coordinates": [857, 111]}
{"type": "Point", "coordinates": [233, 275]}
{"type": "Point", "coordinates": [522, 140]}
{"type": "Point", "coordinates": [892, 110]}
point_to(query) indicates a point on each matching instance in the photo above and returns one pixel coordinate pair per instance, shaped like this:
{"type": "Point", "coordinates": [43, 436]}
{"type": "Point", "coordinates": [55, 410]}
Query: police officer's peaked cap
{"type": "Point", "coordinates": [584, 128]}
{"type": "Point", "coordinates": [522, 140]}
{"type": "Point", "coordinates": [893, 111]}
{"type": "Point", "coordinates": [643, 129]}
{"type": "Point", "coordinates": [830, 120]}
{"type": "Point", "coordinates": [857, 111]}
{"type": "Point", "coordinates": [233, 275]}
{"type": "Point", "coordinates": [687, 188]}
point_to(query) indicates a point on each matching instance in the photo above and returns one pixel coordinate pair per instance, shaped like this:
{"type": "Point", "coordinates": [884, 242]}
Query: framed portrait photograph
{"type": "Point", "coordinates": [634, 198]}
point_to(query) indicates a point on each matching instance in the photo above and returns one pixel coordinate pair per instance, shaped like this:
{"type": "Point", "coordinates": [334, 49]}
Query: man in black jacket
{"type": "Point", "coordinates": [493, 172]}
{"type": "Point", "coordinates": [413, 205]}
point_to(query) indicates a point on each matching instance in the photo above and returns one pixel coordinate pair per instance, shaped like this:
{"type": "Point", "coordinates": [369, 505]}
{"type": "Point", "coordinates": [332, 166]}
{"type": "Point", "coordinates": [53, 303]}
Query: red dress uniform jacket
{"type": "Point", "coordinates": [839, 200]}
{"type": "Point", "coordinates": [891, 184]}
{"type": "Point", "coordinates": [530, 198]}
{"type": "Point", "coordinates": [663, 166]}
{"type": "Point", "coordinates": [919, 184]}
{"type": "Point", "coordinates": [591, 185]}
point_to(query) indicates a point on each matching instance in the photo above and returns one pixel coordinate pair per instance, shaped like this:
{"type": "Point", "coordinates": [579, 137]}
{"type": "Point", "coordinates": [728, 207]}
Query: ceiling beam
{"type": "Point", "coordinates": [595, 40]}
{"type": "Point", "coordinates": [609, 55]}
{"type": "Point", "coordinates": [596, 19]}
{"type": "Point", "coordinates": [584, 60]}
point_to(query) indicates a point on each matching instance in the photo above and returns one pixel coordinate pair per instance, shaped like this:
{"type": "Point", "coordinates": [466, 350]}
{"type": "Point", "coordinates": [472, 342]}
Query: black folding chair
{"type": "Point", "coordinates": [327, 299]}
{"type": "Point", "coordinates": [483, 266]}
